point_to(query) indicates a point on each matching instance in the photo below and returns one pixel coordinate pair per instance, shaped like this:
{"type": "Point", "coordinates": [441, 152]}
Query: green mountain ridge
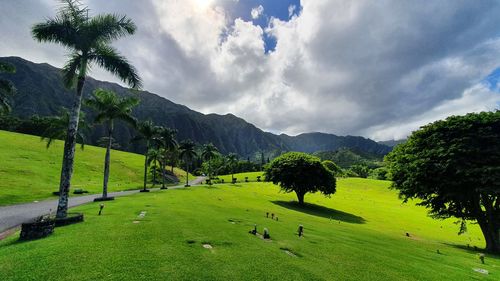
{"type": "Point", "coordinates": [41, 92]}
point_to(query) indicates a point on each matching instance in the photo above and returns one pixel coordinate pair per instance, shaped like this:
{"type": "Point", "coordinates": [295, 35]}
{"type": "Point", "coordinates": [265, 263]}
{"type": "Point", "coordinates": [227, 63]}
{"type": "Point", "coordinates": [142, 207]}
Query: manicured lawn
{"type": "Point", "coordinates": [357, 234]}
{"type": "Point", "coordinates": [29, 171]}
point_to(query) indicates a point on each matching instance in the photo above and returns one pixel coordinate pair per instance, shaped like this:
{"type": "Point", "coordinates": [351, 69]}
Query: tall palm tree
{"type": "Point", "coordinates": [88, 40]}
{"type": "Point", "coordinates": [148, 132]}
{"type": "Point", "coordinates": [58, 126]}
{"type": "Point", "coordinates": [208, 153]}
{"type": "Point", "coordinates": [154, 157]}
{"type": "Point", "coordinates": [168, 144]}
{"type": "Point", "coordinates": [232, 160]}
{"type": "Point", "coordinates": [109, 107]}
{"type": "Point", "coordinates": [187, 151]}
{"type": "Point", "coordinates": [7, 89]}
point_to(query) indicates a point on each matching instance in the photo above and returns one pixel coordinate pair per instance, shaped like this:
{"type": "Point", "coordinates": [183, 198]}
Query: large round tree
{"type": "Point", "coordinates": [300, 173]}
{"type": "Point", "coordinates": [88, 42]}
{"type": "Point", "coordinates": [453, 167]}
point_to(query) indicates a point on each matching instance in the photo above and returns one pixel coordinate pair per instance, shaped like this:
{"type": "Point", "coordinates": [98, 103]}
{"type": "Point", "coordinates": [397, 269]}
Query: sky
{"type": "Point", "coordinates": [378, 69]}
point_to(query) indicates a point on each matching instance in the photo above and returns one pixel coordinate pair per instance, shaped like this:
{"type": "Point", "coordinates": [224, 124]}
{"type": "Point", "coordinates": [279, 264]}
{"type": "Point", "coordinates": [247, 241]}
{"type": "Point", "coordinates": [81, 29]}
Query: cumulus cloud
{"type": "Point", "coordinates": [377, 69]}
{"type": "Point", "coordinates": [257, 12]}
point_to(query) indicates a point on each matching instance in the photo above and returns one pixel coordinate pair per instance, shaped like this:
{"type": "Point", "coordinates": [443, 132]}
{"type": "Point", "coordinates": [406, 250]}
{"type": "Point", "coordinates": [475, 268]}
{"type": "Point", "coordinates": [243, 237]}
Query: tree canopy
{"type": "Point", "coordinates": [300, 173]}
{"type": "Point", "coordinates": [453, 167]}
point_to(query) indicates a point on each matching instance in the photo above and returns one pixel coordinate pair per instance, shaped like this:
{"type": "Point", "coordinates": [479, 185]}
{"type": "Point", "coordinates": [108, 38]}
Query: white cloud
{"type": "Point", "coordinates": [379, 69]}
{"type": "Point", "coordinates": [291, 10]}
{"type": "Point", "coordinates": [257, 12]}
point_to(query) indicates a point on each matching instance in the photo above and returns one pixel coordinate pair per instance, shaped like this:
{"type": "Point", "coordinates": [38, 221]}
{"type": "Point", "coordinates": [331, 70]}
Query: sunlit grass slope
{"type": "Point", "coordinates": [29, 171]}
{"type": "Point", "coordinates": [240, 177]}
{"type": "Point", "coordinates": [357, 234]}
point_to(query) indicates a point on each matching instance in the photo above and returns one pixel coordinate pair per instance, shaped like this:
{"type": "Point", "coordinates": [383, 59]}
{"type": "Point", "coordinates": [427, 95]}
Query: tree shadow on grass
{"type": "Point", "coordinates": [320, 211]}
{"type": "Point", "coordinates": [473, 250]}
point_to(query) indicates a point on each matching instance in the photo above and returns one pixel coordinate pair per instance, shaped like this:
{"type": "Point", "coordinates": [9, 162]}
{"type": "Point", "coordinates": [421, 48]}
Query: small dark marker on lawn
{"type": "Point", "coordinates": [100, 208]}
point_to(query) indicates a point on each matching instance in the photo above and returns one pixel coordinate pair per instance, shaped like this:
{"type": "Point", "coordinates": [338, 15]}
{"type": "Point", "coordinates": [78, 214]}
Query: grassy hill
{"type": "Point", "coordinates": [29, 171]}
{"type": "Point", "coordinates": [357, 234]}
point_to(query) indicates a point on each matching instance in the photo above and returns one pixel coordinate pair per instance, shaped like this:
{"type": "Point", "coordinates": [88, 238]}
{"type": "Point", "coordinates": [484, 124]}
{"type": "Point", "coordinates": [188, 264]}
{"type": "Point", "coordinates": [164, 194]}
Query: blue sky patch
{"type": "Point", "coordinates": [493, 80]}
{"type": "Point", "coordinates": [275, 8]}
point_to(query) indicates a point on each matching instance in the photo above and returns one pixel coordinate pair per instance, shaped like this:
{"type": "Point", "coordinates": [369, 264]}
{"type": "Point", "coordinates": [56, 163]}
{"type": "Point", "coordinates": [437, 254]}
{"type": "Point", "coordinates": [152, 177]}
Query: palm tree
{"type": "Point", "coordinates": [149, 133]}
{"type": "Point", "coordinates": [232, 160]}
{"type": "Point", "coordinates": [187, 151]}
{"type": "Point", "coordinates": [7, 89]}
{"type": "Point", "coordinates": [109, 107]}
{"type": "Point", "coordinates": [208, 153]}
{"type": "Point", "coordinates": [88, 40]}
{"type": "Point", "coordinates": [58, 126]}
{"type": "Point", "coordinates": [168, 144]}
{"type": "Point", "coordinates": [154, 157]}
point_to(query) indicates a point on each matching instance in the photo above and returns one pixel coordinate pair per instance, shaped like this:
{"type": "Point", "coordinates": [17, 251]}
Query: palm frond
{"type": "Point", "coordinates": [70, 69]}
{"type": "Point", "coordinates": [108, 27]}
{"type": "Point", "coordinates": [108, 58]}
{"type": "Point", "coordinates": [60, 30]}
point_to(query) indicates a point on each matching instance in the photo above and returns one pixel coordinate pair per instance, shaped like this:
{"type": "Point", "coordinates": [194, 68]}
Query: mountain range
{"type": "Point", "coordinates": [40, 91]}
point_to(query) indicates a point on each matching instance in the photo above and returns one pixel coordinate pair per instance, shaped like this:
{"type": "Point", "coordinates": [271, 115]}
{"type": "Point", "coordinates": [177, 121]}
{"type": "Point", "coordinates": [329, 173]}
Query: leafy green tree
{"type": "Point", "coordinates": [330, 165]}
{"type": "Point", "coordinates": [232, 161]}
{"type": "Point", "coordinates": [58, 125]}
{"type": "Point", "coordinates": [148, 133]}
{"type": "Point", "coordinates": [208, 153]}
{"type": "Point", "coordinates": [7, 89]}
{"type": "Point", "coordinates": [301, 173]}
{"type": "Point", "coordinates": [168, 143]}
{"type": "Point", "coordinates": [109, 107]}
{"type": "Point", "coordinates": [362, 170]}
{"type": "Point", "coordinates": [380, 173]}
{"type": "Point", "coordinates": [187, 151]}
{"type": "Point", "coordinates": [453, 167]}
{"type": "Point", "coordinates": [88, 40]}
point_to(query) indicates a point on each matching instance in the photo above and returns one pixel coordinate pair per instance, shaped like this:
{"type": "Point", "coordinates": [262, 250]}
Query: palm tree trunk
{"type": "Point", "coordinates": [106, 161]}
{"type": "Point", "coordinates": [163, 167]}
{"type": "Point", "coordinates": [69, 147]}
{"type": "Point", "coordinates": [187, 174]}
{"type": "Point", "coordinates": [154, 173]}
{"type": "Point", "coordinates": [146, 166]}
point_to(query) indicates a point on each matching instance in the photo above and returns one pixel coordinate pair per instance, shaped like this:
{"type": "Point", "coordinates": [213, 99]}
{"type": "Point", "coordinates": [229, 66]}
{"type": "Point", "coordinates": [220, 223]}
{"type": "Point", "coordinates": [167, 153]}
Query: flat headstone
{"type": "Point", "coordinates": [207, 246]}
{"type": "Point", "coordinates": [480, 270]}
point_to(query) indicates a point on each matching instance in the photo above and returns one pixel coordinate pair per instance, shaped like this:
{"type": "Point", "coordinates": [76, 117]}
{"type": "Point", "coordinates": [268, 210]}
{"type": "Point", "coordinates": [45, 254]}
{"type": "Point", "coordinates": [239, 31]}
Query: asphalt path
{"type": "Point", "coordinates": [14, 215]}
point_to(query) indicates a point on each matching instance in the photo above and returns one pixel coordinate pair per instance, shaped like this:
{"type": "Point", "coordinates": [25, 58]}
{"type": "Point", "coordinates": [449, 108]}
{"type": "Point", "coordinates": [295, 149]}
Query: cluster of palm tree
{"type": "Point", "coordinates": [161, 148]}
{"type": "Point", "coordinates": [88, 40]}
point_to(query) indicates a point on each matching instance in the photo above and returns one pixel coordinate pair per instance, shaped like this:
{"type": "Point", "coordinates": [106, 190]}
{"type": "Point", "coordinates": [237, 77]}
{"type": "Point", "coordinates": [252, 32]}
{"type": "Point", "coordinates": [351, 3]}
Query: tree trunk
{"type": "Point", "coordinates": [491, 233]}
{"type": "Point", "coordinates": [146, 166]}
{"type": "Point", "coordinates": [300, 197]}
{"type": "Point", "coordinates": [163, 167]}
{"type": "Point", "coordinates": [187, 174]}
{"type": "Point", "coordinates": [69, 148]}
{"type": "Point", "coordinates": [106, 161]}
{"type": "Point", "coordinates": [154, 173]}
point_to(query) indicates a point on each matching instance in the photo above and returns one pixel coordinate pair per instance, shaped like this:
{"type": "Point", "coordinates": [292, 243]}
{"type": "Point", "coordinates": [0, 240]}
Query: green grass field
{"type": "Point", "coordinates": [252, 176]}
{"type": "Point", "coordinates": [357, 234]}
{"type": "Point", "coordinates": [29, 171]}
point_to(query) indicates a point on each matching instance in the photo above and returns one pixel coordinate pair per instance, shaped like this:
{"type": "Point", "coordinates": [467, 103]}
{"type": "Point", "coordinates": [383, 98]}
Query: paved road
{"type": "Point", "coordinates": [15, 215]}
